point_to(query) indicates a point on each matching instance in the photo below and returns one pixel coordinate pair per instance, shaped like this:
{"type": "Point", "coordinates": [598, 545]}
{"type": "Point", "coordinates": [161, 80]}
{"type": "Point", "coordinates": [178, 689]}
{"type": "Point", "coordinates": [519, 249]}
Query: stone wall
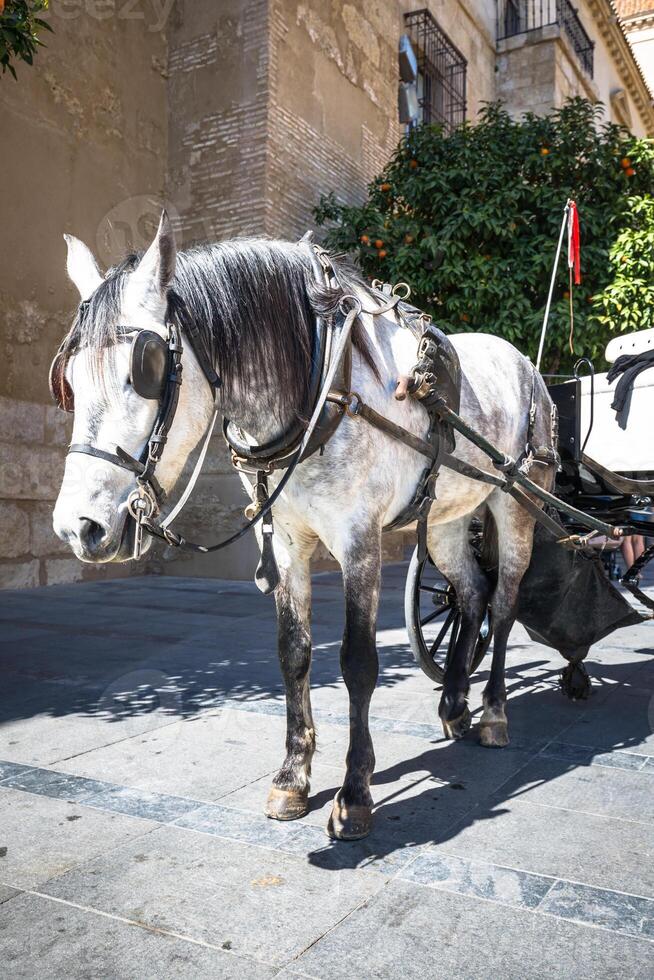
{"type": "Point", "coordinates": [271, 103]}
{"type": "Point", "coordinates": [83, 136]}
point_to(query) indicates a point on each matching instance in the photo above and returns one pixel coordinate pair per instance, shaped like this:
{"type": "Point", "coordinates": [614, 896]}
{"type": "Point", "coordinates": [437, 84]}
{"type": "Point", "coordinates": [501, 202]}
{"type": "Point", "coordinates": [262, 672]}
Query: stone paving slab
{"type": "Point", "coordinates": [568, 844]}
{"type": "Point", "coordinates": [423, 932]}
{"type": "Point", "coordinates": [45, 837]}
{"type": "Point", "coordinates": [265, 903]}
{"type": "Point", "coordinates": [601, 790]}
{"type": "Point", "coordinates": [61, 723]}
{"type": "Point", "coordinates": [204, 757]}
{"type": "Point", "coordinates": [44, 939]}
{"type": "Point", "coordinates": [7, 893]}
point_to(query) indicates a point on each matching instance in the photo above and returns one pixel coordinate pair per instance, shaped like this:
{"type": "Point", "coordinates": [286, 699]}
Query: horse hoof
{"type": "Point", "coordinates": [494, 734]}
{"type": "Point", "coordinates": [349, 822]}
{"type": "Point", "coordinates": [457, 727]}
{"type": "Point", "coordinates": [287, 804]}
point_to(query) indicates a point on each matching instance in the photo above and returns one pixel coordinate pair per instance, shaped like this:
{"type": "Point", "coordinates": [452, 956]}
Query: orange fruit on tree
{"type": "Point", "coordinates": [544, 151]}
{"type": "Point", "coordinates": [382, 253]}
{"type": "Point", "coordinates": [385, 186]}
{"type": "Point", "coordinates": [630, 172]}
{"type": "Point", "coordinates": [465, 317]}
{"type": "Point", "coordinates": [364, 239]}
{"type": "Point", "coordinates": [379, 243]}
{"type": "Point", "coordinates": [413, 164]}
{"type": "Point", "coordinates": [625, 163]}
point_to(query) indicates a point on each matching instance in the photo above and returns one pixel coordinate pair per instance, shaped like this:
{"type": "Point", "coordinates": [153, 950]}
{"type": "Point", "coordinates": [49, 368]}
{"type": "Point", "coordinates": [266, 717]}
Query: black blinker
{"type": "Point", "coordinates": [148, 364]}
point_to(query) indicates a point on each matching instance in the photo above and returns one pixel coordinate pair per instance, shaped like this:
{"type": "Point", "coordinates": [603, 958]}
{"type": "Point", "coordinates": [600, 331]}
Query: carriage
{"type": "Point", "coordinates": [607, 471]}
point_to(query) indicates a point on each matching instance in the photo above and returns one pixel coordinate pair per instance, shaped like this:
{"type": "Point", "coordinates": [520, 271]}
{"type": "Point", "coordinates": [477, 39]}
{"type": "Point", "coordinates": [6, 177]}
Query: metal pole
{"type": "Point", "coordinates": [552, 285]}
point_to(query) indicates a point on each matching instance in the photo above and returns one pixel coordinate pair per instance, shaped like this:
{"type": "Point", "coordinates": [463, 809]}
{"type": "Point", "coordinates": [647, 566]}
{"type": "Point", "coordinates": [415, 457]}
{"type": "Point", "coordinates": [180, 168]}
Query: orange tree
{"type": "Point", "coordinates": [471, 219]}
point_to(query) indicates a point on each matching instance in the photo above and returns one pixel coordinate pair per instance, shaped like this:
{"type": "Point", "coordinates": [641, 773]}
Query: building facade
{"type": "Point", "coordinates": [236, 115]}
{"type": "Point", "coordinates": [637, 22]}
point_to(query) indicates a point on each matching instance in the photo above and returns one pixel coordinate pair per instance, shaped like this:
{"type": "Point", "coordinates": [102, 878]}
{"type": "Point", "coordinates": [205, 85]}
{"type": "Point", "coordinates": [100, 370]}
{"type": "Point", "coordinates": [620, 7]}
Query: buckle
{"type": "Point", "coordinates": [352, 403]}
{"type": "Point", "coordinates": [142, 505]}
{"type": "Point", "coordinates": [407, 291]}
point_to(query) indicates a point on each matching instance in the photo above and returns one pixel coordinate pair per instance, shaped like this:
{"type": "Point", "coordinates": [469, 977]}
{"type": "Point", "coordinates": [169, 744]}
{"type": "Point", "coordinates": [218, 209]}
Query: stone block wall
{"type": "Point", "coordinates": [83, 137]}
{"type": "Point", "coordinates": [271, 103]}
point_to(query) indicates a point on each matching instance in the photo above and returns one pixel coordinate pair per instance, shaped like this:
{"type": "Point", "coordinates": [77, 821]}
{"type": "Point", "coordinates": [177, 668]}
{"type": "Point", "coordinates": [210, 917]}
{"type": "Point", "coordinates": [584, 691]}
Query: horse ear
{"type": "Point", "coordinates": [82, 267]}
{"type": "Point", "coordinates": [157, 267]}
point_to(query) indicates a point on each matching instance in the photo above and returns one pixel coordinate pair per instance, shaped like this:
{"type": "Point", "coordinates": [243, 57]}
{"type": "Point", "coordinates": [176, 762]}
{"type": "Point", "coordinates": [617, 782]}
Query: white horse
{"type": "Point", "coordinates": [255, 305]}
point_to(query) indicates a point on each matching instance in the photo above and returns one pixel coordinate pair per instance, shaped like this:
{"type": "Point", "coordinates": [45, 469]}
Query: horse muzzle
{"type": "Point", "coordinates": [96, 543]}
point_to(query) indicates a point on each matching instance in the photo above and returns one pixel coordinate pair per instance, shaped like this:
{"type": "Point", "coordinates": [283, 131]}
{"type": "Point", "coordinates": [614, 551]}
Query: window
{"type": "Point", "coordinates": [441, 72]}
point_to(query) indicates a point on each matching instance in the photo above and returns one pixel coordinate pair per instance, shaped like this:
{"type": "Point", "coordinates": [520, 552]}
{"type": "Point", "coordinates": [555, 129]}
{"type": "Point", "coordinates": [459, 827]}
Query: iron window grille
{"type": "Point", "coordinates": [442, 72]}
{"type": "Point", "coordinates": [522, 16]}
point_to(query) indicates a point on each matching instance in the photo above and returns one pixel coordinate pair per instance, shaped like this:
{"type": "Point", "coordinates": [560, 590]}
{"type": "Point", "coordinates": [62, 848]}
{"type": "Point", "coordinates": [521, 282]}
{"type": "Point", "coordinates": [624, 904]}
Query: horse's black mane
{"type": "Point", "coordinates": [254, 303]}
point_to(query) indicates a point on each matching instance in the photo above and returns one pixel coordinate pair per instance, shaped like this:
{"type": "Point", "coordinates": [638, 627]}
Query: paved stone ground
{"type": "Point", "coordinates": [141, 724]}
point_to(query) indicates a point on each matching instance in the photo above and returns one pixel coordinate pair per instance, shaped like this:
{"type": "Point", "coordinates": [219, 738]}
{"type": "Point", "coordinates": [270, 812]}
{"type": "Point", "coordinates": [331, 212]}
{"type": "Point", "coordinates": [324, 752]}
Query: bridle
{"type": "Point", "coordinates": [155, 372]}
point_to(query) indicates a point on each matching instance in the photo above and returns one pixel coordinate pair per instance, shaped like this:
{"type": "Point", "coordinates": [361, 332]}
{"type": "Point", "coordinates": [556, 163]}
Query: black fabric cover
{"type": "Point", "coordinates": [629, 366]}
{"type": "Point", "coordinates": [566, 600]}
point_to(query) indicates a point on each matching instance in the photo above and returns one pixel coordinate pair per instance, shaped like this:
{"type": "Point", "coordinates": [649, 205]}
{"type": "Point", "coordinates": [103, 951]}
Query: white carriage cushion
{"type": "Point", "coordinates": [630, 343]}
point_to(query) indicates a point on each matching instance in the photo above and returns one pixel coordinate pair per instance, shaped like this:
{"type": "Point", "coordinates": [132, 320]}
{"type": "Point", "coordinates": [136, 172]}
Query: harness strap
{"type": "Point", "coordinates": [355, 408]}
{"type": "Point", "coordinates": [516, 475]}
{"type": "Point", "coordinates": [181, 503]}
{"type": "Point", "coordinates": [126, 462]}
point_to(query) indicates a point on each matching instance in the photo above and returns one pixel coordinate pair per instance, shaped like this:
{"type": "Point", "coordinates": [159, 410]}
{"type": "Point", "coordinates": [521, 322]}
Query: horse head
{"type": "Point", "coordinates": [112, 372]}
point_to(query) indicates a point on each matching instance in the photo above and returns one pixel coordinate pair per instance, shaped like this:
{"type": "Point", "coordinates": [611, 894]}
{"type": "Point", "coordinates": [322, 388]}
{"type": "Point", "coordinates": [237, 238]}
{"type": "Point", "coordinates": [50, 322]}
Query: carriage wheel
{"type": "Point", "coordinates": [433, 619]}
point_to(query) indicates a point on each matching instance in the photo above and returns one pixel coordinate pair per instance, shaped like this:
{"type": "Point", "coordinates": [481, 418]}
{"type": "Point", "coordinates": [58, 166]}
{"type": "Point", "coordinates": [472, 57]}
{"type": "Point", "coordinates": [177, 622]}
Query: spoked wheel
{"type": "Point", "coordinates": [433, 619]}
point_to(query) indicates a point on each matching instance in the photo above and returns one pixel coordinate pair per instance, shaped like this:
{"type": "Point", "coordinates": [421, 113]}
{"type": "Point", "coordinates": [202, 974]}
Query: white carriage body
{"type": "Point", "coordinates": [622, 448]}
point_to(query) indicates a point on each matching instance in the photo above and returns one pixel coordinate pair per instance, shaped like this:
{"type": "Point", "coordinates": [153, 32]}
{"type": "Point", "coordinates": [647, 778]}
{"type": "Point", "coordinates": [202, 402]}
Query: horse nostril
{"type": "Point", "coordinates": [91, 534]}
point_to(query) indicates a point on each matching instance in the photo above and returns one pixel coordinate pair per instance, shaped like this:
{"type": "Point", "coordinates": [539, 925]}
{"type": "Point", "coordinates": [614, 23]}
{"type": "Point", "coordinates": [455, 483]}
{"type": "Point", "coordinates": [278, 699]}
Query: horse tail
{"type": "Point", "coordinates": [489, 552]}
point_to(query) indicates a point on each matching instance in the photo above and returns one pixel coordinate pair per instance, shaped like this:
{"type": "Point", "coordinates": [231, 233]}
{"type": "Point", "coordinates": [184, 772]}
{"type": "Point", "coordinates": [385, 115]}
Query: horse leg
{"type": "Point", "coordinates": [289, 793]}
{"type": "Point", "coordinates": [351, 816]}
{"type": "Point", "coordinates": [450, 549]}
{"type": "Point", "coordinates": [515, 533]}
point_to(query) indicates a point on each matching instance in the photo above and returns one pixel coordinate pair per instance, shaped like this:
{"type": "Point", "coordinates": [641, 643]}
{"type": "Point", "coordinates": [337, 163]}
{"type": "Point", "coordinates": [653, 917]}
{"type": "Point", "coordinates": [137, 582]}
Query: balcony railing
{"type": "Point", "coordinates": [523, 16]}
